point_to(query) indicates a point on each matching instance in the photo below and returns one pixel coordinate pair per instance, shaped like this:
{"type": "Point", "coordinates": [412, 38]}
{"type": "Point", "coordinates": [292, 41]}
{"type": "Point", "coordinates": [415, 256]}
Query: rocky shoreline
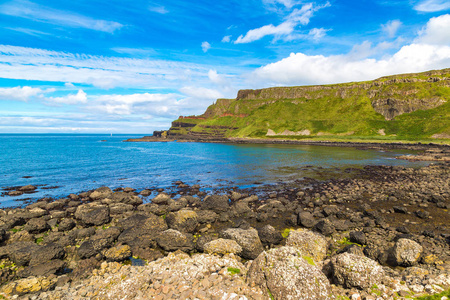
{"type": "Point", "coordinates": [381, 233]}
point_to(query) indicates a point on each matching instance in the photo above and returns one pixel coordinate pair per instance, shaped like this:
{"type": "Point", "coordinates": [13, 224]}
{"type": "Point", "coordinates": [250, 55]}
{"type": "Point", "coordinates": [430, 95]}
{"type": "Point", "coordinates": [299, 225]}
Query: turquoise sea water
{"type": "Point", "coordinates": [74, 163]}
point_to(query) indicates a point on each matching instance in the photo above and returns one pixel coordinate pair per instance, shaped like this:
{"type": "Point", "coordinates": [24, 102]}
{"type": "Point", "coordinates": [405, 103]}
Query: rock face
{"type": "Point", "coordinates": [355, 271]}
{"type": "Point", "coordinates": [308, 243]}
{"type": "Point", "coordinates": [283, 274]}
{"type": "Point", "coordinates": [183, 220]}
{"type": "Point", "coordinates": [172, 240]}
{"type": "Point", "coordinates": [93, 214]}
{"type": "Point", "coordinates": [407, 252]}
{"type": "Point", "coordinates": [248, 239]}
{"type": "Point", "coordinates": [216, 203]}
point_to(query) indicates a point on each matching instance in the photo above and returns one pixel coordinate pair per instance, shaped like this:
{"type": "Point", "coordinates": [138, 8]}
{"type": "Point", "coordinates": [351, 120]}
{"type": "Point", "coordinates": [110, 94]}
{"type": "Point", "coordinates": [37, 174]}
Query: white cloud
{"type": "Point", "coordinates": [317, 33]}
{"type": "Point", "coordinates": [432, 5]}
{"type": "Point", "coordinates": [297, 17]}
{"type": "Point", "coordinates": [29, 10]}
{"type": "Point", "coordinates": [104, 72]}
{"type": "Point", "coordinates": [226, 39]}
{"type": "Point", "coordinates": [436, 32]}
{"type": "Point", "coordinates": [206, 46]}
{"type": "Point", "coordinates": [158, 9]}
{"type": "Point", "coordinates": [391, 27]}
{"type": "Point", "coordinates": [69, 85]}
{"type": "Point", "coordinates": [431, 50]}
{"type": "Point", "coordinates": [20, 93]}
{"type": "Point", "coordinates": [80, 97]}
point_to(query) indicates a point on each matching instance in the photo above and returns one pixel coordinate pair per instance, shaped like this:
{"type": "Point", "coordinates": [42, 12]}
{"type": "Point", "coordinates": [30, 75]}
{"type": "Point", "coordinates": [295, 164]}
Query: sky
{"type": "Point", "coordinates": [134, 66]}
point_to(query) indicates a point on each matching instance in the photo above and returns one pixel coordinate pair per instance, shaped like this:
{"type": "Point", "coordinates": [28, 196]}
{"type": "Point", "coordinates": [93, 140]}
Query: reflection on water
{"type": "Point", "coordinates": [77, 163]}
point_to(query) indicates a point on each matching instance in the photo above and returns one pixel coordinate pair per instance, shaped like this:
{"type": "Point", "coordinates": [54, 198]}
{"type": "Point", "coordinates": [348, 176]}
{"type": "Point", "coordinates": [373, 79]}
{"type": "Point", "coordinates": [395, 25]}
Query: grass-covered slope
{"type": "Point", "coordinates": [402, 107]}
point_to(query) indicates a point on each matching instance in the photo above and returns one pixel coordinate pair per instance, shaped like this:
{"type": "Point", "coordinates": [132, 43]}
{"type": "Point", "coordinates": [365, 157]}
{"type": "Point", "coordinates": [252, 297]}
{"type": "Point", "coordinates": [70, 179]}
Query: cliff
{"type": "Point", "coordinates": [408, 106]}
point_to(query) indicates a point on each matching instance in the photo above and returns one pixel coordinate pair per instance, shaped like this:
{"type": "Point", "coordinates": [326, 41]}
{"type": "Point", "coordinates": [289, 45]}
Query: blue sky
{"type": "Point", "coordinates": [134, 66]}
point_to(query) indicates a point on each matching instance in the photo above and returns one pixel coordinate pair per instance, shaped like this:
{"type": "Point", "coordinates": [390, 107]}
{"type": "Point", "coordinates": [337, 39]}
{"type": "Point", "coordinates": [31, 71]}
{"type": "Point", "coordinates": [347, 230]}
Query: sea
{"type": "Point", "coordinates": [61, 164]}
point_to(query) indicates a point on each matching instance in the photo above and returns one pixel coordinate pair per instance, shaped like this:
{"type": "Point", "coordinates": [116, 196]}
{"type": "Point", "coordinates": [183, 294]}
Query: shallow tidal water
{"type": "Point", "coordinates": [60, 164]}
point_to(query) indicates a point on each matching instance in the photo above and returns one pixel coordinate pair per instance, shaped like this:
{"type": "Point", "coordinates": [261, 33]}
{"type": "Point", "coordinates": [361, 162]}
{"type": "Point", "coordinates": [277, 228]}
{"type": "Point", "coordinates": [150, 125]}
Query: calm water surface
{"type": "Point", "coordinates": [75, 163]}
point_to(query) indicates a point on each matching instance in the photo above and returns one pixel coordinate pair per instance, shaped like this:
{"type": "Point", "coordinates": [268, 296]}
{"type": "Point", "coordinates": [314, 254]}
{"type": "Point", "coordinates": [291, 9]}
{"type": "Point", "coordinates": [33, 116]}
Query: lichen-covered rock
{"type": "Point", "coordinates": [172, 240]}
{"type": "Point", "coordinates": [355, 271]}
{"type": "Point", "coordinates": [27, 286]}
{"type": "Point", "coordinates": [248, 239]}
{"type": "Point", "coordinates": [117, 253]}
{"type": "Point", "coordinates": [101, 193]}
{"type": "Point", "coordinates": [183, 220]}
{"type": "Point", "coordinates": [222, 247]}
{"type": "Point", "coordinates": [407, 252]}
{"type": "Point", "coordinates": [308, 243]}
{"type": "Point", "coordinates": [283, 273]}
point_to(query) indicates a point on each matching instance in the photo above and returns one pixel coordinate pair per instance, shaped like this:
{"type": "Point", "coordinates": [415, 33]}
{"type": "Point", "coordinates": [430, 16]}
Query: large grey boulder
{"type": "Point", "coordinates": [161, 198]}
{"type": "Point", "coordinates": [282, 273]}
{"type": "Point", "coordinates": [355, 271]}
{"type": "Point", "coordinates": [183, 220]}
{"type": "Point", "coordinates": [309, 243]}
{"type": "Point", "coordinates": [93, 214]}
{"type": "Point", "coordinates": [248, 239]}
{"type": "Point", "coordinates": [406, 252]}
{"type": "Point", "coordinates": [101, 193]}
{"type": "Point", "coordinates": [269, 235]}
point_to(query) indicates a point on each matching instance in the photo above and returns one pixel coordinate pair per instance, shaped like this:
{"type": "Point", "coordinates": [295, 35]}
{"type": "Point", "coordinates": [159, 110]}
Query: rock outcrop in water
{"type": "Point", "coordinates": [409, 106]}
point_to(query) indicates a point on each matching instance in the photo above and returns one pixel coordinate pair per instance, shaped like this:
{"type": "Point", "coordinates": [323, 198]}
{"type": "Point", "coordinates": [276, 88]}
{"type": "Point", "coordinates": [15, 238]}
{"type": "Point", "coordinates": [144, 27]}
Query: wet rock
{"type": "Point", "coordinates": [400, 209]}
{"type": "Point", "coordinates": [87, 250]}
{"type": "Point", "coordinates": [118, 209]}
{"type": "Point", "coordinates": [247, 239]}
{"type": "Point", "coordinates": [145, 193]}
{"type": "Point", "coordinates": [269, 235]}
{"type": "Point", "coordinates": [27, 188]}
{"type": "Point", "coordinates": [125, 198]}
{"type": "Point", "coordinates": [172, 240]}
{"type": "Point", "coordinates": [242, 208]}
{"type": "Point", "coordinates": [93, 214]}
{"type": "Point", "coordinates": [117, 253]}
{"type": "Point", "coordinates": [15, 193]}
{"type": "Point", "coordinates": [216, 203]}
{"type": "Point", "coordinates": [329, 210]}
{"type": "Point", "coordinates": [36, 226]}
{"type": "Point", "coordinates": [306, 219]}
{"type": "Point", "coordinates": [161, 198]}
{"type": "Point", "coordinates": [148, 254]}
{"type": "Point", "coordinates": [308, 243]}
{"type": "Point", "coordinates": [135, 220]}
{"type": "Point", "coordinates": [84, 233]}
{"type": "Point", "coordinates": [21, 253]}
{"type": "Point", "coordinates": [407, 252]}
{"type": "Point", "coordinates": [183, 220]}
{"type": "Point", "coordinates": [222, 247]}
{"type": "Point", "coordinates": [358, 237]}
{"type": "Point", "coordinates": [283, 274]}
{"type": "Point", "coordinates": [355, 271]}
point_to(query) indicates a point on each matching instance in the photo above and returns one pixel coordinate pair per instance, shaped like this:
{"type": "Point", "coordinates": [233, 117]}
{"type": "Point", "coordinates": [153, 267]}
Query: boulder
{"type": "Point", "coordinates": [183, 220]}
{"type": "Point", "coordinates": [282, 273]}
{"type": "Point", "coordinates": [43, 269]}
{"type": "Point", "coordinates": [118, 253]}
{"type": "Point", "coordinates": [21, 253]}
{"type": "Point", "coordinates": [46, 253]}
{"type": "Point", "coordinates": [222, 247]}
{"type": "Point", "coordinates": [216, 203]}
{"type": "Point", "coordinates": [101, 193]}
{"type": "Point", "coordinates": [161, 198]}
{"type": "Point", "coordinates": [27, 188]}
{"type": "Point", "coordinates": [355, 271]}
{"type": "Point", "coordinates": [66, 224]}
{"type": "Point", "coordinates": [329, 210]}
{"type": "Point", "coordinates": [358, 237]}
{"type": "Point", "coordinates": [306, 219]}
{"type": "Point", "coordinates": [125, 198]}
{"type": "Point", "coordinates": [172, 240]}
{"type": "Point", "coordinates": [36, 226]}
{"type": "Point", "coordinates": [406, 252]}
{"type": "Point", "coordinates": [93, 214]}
{"type": "Point", "coordinates": [269, 235]}
{"type": "Point", "coordinates": [206, 216]}
{"type": "Point", "coordinates": [248, 239]}
{"type": "Point", "coordinates": [325, 227]}
{"type": "Point", "coordinates": [308, 243]}
{"type": "Point", "coordinates": [141, 231]}
{"type": "Point", "coordinates": [27, 286]}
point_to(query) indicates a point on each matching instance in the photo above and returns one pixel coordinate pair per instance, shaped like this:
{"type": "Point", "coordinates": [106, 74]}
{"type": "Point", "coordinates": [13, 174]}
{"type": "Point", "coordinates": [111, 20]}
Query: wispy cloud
{"type": "Point", "coordinates": [226, 39]}
{"type": "Point", "coordinates": [297, 17]}
{"type": "Point", "coordinates": [29, 10]}
{"type": "Point", "coordinates": [432, 5]}
{"type": "Point", "coordinates": [28, 31]}
{"type": "Point", "coordinates": [20, 93]}
{"type": "Point", "coordinates": [391, 27]}
{"type": "Point", "coordinates": [80, 97]}
{"type": "Point", "coordinates": [206, 46]}
{"type": "Point", "coordinates": [158, 9]}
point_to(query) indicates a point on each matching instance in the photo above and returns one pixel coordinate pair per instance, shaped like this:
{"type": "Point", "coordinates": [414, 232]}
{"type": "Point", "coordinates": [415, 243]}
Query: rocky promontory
{"type": "Point", "coordinates": [382, 233]}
